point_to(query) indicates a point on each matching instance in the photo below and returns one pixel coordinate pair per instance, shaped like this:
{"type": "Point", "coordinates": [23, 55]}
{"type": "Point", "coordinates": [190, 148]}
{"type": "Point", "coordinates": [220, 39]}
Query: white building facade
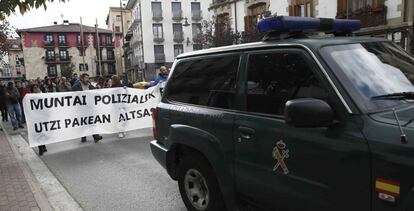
{"type": "Point", "coordinates": [162, 29]}
{"type": "Point", "coordinates": [384, 18]}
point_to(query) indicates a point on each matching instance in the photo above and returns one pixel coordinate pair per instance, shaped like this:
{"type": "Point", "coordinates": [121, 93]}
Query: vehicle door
{"type": "Point", "coordinates": [279, 166]}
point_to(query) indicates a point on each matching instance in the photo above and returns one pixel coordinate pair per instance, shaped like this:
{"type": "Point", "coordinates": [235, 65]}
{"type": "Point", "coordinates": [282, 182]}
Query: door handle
{"type": "Point", "coordinates": [246, 132]}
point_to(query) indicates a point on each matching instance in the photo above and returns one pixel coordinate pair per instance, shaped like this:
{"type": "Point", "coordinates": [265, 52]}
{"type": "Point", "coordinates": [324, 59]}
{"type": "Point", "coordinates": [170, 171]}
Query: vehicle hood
{"type": "Point", "coordinates": [405, 115]}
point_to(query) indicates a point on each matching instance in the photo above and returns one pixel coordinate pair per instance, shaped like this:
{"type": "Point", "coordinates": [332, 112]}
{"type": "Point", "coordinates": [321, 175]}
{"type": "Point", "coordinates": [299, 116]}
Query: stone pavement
{"type": "Point", "coordinates": [15, 190]}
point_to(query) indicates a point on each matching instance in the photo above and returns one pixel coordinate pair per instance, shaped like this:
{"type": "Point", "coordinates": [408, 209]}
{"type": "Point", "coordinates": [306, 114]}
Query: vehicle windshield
{"type": "Point", "coordinates": [369, 70]}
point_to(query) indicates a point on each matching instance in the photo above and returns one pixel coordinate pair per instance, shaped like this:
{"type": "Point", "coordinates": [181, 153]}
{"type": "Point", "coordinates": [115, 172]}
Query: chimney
{"type": "Point", "coordinates": [55, 23]}
{"type": "Point", "coordinates": [66, 22]}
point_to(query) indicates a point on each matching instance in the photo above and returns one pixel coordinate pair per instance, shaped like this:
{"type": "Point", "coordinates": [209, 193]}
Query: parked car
{"type": "Point", "coordinates": [291, 123]}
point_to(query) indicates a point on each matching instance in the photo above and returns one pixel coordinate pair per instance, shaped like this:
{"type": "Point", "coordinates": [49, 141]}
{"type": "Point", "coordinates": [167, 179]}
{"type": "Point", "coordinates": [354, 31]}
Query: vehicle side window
{"type": "Point", "coordinates": [208, 82]}
{"type": "Point", "coordinates": [275, 78]}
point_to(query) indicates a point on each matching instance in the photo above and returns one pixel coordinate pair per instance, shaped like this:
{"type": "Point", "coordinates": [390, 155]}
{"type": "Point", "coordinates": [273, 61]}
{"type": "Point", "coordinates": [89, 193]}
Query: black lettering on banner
{"type": "Point", "coordinates": [106, 118]}
{"type": "Point", "coordinates": [139, 114]}
{"type": "Point", "coordinates": [68, 100]}
{"type": "Point", "coordinates": [67, 123]}
{"type": "Point", "coordinates": [47, 126]}
{"type": "Point", "coordinates": [77, 101]}
{"type": "Point", "coordinates": [121, 118]}
{"type": "Point", "coordinates": [38, 130]}
{"type": "Point", "coordinates": [48, 103]}
{"type": "Point", "coordinates": [135, 99]}
{"type": "Point", "coordinates": [133, 114]}
{"type": "Point", "coordinates": [97, 120]}
{"type": "Point", "coordinates": [97, 99]}
{"type": "Point", "coordinates": [106, 99]}
{"type": "Point", "coordinates": [83, 120]}
{"type": "Point", "coordinates": [90, 120]}
{"type": "Point", "coordinates": [123, 98]}
{"type": "Point", "coordinates": [60, 101]}
{"type": "Point", "coordinates": [75, 122]}
{"type": "Point", "coordinates": [38, 105]}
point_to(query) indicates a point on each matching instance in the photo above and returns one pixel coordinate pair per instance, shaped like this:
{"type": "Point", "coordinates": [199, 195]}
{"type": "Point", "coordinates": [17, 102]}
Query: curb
{"type": "Point", "coordinates": [47, 190]}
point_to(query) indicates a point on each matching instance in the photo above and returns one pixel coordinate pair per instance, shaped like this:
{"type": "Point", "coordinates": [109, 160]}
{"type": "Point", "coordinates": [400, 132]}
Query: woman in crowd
{"type": "Point", "coordinates": [116, 83]}
{"type": "Point", "coordinates": [36, 89]}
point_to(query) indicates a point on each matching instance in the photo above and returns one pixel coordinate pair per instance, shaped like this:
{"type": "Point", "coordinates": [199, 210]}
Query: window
{"type": "Point", "coordinates": [118, 18]}
{"type": "Point", "coordinates": [49, 38]}
{"type": "Point", "coordinates": [206, 82]}
{"type": "Point", "coordinates": [176, 9]}
{"type": "Point", "coordinates": [157, 30]}
{"type": "Point", "coordinates": [196, 28]}
{"type": "Point", "coordinates": [111, 69]}
{"type": "Point", "coordinates": [51, 70]}
{"type": "Point", "coordinates": [110, 54]}
{"type": "Point", "coordinates": [62, 39]}
{"type": "Point", "coordinates": [178, 49]}
{"type": "Point", "coordinates": [50, 55]}
{"type": "Point", "coordinates": [178, 32]}
{"type": "Point", "coordinates": [117, 29]}
{"type": "Point", "coordinates": [109, 39]}
{"type": "Point", "coordinates": [275, 78]}
{"type": "Point", "coordinates": [195, 7]}
{"type": "Point", "coordinates": [156, 9]}
{"type": "Point", "coordinates": [78, 39]}
{"type": "Point", "coordinates": [302, 9]}
{"type": "Point", "coordinates": [18, 61]}
{"type": "Point", "coordinates": [83, 67]}
{"type": "Point", "coordinates": [159, 53]}
{"type": "Point", "coordinates": [197, 47]}
{"type": "Point", "coordinates": [63, 54]}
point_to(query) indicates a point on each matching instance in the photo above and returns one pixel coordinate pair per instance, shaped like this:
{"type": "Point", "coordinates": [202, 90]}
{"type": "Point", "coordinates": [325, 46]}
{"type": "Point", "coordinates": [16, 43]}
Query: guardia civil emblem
{"type": "Point", "coordinates": [280, 153]}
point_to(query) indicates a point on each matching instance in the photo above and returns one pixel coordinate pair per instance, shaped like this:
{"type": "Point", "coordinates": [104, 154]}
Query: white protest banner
{"type": "Point", "coordinates": [56, 117]}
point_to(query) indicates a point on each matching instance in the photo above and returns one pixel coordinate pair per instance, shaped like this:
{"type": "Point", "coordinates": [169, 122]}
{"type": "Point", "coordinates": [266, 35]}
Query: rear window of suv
{"type": "Point", "coordinates": [205, 81]}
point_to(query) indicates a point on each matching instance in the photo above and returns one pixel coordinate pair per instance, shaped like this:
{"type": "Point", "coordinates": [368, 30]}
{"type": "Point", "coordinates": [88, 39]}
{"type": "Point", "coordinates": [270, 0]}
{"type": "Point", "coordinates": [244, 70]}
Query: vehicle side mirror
{"type": "Point", "coordinates": [308, 113]}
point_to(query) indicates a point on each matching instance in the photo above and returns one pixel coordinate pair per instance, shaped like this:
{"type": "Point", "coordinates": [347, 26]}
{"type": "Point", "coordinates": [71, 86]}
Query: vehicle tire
{"type": "Point", "coordinates": [198, 185]}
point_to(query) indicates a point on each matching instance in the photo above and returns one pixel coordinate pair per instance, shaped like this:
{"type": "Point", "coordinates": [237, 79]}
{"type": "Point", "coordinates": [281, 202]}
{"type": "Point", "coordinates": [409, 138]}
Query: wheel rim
{"type": "Point", "coordinates": [196, 189]}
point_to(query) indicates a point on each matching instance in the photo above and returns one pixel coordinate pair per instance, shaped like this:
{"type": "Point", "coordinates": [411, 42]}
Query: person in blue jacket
{"type": "Point", "coordinates": [162, 76]}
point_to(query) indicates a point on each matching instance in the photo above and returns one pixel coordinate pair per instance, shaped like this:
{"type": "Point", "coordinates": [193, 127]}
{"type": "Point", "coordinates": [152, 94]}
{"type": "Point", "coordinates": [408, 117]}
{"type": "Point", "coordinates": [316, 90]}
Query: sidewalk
{"type": "Point", "coordinates": [15, 191]}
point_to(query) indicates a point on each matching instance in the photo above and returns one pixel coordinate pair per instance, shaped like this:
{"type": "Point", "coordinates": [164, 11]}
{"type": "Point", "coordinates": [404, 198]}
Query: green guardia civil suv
{"type": "Point", "coordinates": [291, 123]}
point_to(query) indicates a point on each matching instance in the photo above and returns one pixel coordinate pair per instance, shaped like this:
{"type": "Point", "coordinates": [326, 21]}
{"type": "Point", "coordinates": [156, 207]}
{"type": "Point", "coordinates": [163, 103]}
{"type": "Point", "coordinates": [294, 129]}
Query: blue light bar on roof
{"type": "Point", "coordinates": [306, 24]}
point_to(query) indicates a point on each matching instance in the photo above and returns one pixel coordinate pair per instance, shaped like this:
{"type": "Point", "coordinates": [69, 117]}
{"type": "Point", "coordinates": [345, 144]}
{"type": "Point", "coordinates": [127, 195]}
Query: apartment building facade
{"type": "Point", "coordinates": [49, 49]}
{"type": "Point", "coordinates": [15, 60]}
{"type": "Point", "coordinates": [390, 19]}
{"type": "Point", "coordinates": [161, 30]}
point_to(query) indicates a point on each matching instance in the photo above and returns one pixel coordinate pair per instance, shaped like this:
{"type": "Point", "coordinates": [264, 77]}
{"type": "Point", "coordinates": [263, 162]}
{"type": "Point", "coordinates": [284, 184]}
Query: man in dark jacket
{"type": "Point", "coordinates": [13, 106]}
{"type": "Point", "coordinates": [82, 86]}
{"type": "Point", "coordinates": [3, 103]}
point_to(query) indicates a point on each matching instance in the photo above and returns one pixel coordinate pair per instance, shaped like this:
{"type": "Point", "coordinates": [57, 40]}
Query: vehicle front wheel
{"type": "Point", "coordinates": [198, 185]}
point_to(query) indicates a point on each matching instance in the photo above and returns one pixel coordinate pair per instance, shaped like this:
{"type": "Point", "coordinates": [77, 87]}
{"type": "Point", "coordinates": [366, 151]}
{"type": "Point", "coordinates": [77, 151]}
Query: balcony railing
{"type": "Point", "coordinates": [64, 58]}
{"type": "Point", "coordinates": [50, 58]}
{"type": "Point", "coordinates": [159, 58]}
{"type": "Point", "coordinates": [197, 38]}
{"type": "Point", "coordinates": [63, 43]}
{"type": "Point", "coordinates": [157, 15]}
{"type": "Point", "coordinates": [49, 43]}
{"type": "Point", "coordinates": [177, 15]}
{"type": "Point", "coordinates": [178, 36]}
{"type": "Point", "coordinates": [159, 39]}
{"type": "Point", "coordinates": [196, 15]}
{"type": "Point", "coordinates": [217, 3]}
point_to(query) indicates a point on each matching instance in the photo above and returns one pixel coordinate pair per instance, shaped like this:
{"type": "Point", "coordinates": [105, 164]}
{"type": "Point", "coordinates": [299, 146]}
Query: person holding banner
{"type": "Point", "coordinates": [116, 83]}
{"type": "Point", "coordinates": [36, 89]}
{"type": "Point", "coordinates": [13, 106]}
{"type": "Point", "coordinates": [162, 76]}
{"type": "Point", "coordinates": [83, 86]}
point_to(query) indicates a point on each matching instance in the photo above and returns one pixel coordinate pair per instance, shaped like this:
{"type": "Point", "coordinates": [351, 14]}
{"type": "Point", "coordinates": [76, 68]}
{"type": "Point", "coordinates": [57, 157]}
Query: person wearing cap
{"type": "Point", "coordinates": [82, 86]}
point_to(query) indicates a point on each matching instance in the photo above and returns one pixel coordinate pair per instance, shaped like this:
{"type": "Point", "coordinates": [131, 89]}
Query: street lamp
{"type": "Point", "coordinates": [186, 22]}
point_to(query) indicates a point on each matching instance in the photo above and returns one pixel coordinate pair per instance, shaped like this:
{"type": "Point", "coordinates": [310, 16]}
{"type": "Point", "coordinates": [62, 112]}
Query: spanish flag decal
{"type": "Point", "coordinates": [387, 187]}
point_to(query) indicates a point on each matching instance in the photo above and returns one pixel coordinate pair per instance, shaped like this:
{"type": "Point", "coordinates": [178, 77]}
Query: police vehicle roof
{"type": "Point", "coordinates": [311, 43]}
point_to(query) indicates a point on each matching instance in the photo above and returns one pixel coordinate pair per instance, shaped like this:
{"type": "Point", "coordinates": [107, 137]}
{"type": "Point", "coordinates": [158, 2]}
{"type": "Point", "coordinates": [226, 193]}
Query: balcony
{"type": "Point", "coordinates": [64, 59]}
{"type": "Point", "coordinates": [369, 17]}
{"type": "Point", "coordinates": [177, 15]}
{"type": "Point", "coordinates": [197, 38]}
{"type": "Point", "coordinates": [50, 59]}
{"type": "Point", "coordinates": [159, 39]}
{"type": "Point", "coordinates": [159, 58]}
{"type": "Point", "coordinates": [179, 37]}
{"type": "Point", "coordinates": [49, 43]}
{"type": "Point", "coordinates": [217, 3]}
{"type": "Point", "coordinates": [196, 15]}
{"type": "Point", "coordinates": [63, 43]}
{"type": "Point", "coordinates": [157, 15]}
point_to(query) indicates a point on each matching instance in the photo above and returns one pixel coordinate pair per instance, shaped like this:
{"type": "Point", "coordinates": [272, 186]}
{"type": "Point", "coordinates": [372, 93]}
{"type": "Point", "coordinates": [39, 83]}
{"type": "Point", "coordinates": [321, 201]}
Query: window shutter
{"type": "Point", "coordinates": [291, 12]}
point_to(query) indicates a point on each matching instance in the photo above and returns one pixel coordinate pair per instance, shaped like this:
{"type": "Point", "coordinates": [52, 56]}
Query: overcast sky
{"type": "Point", "coordinates": [72, 10]}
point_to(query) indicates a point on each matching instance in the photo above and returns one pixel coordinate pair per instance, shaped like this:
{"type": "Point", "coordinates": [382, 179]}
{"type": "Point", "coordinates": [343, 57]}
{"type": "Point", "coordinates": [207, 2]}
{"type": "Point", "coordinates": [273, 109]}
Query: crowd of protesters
{"type": "Point", "coordinates": [13, 92]}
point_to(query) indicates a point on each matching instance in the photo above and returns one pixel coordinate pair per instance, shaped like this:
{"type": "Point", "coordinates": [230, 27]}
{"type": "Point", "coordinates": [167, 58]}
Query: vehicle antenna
{"type": "Point", "coordinates": [403, 136]}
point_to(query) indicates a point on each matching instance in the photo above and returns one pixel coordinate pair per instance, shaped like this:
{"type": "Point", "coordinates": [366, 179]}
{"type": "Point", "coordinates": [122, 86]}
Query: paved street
{"type": "Point", "coordinates": [114, 174]}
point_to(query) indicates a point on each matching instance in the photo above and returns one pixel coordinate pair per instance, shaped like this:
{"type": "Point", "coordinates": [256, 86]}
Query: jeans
{"type": "Point", "coordinates": [3, 109]}
{"type": "Point", "coordinates": [15, 114]}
